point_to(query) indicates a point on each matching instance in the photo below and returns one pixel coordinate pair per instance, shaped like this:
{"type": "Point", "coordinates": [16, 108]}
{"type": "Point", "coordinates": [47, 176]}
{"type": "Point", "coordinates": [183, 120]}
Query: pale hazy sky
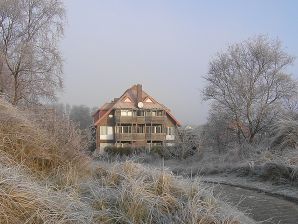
{"type": "Point", "coordinates": [165, 45]}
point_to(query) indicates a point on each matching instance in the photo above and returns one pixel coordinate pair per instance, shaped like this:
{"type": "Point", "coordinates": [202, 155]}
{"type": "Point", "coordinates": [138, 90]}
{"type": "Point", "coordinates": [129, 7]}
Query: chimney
{"type": "Point", "coordinates": [139, 93]}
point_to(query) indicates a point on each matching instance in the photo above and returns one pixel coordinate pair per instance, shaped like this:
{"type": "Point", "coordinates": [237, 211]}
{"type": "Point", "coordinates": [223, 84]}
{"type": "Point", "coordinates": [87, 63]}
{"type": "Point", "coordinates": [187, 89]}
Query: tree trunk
{"type": "Point", "coordinates": [251, 137]}
{"type": "Point", "coordinates": [15, 90]}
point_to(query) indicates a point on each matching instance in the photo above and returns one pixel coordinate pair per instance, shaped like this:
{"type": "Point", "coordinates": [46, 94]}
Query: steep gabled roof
{"type": "Point", "coordinates": [131, 93]}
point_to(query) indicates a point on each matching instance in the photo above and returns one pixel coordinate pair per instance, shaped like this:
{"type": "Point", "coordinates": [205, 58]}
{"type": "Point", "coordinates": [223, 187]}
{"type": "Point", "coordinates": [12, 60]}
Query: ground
{"type": "Point", "coordinates": [260, 206]}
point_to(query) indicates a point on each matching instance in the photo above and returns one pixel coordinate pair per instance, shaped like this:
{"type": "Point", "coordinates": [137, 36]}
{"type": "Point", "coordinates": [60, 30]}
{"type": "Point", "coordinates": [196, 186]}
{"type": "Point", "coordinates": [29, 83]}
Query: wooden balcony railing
{"type": "Point", "coordinates": [125, 119]}
{"type": "Point", "coordinates": [140, 136]}
{"type": "Point", "coordinates": [155, 119]}
{"type": "Point", "coordinates": [155, 136]}
{"type": "Point", "coordinates": [140, 120]}
{"type": "Point", "coordinates": [123, 136]}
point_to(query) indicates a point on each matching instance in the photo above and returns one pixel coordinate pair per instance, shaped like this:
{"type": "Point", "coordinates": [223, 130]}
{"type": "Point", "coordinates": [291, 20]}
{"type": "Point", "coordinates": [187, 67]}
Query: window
{"type": "Point", "coordinates": [148, 100]}
{"type": "Point", "coordinates": [126, 113]}
{"type": "Point", "coordinates": [123, 129]}
{"type": "Point", "coordinates": [159, 113]}
{"type": "Point", "coordinates": [148, 129]}
{"type": "Point", "coordinates": [126, 129]}
{"type": "Point", "coordinates": [103, 130]}
{"type": "Point", "coordinates": [106, 133]}
{"type": "Point", "coordinates": [170, 131]}
{"type": "Point", "coordinates": [148, 113]}
{"type": "Point", "coordinates": [153, 113]}
{"type": "Point", "coordinates": [127, 100]}
{"type": "Point", "coordinates": [140, 129]}
{"type": "Point", "coordinates": [140, 113]}
{"type": "Point", "coordinates": [156, 129]}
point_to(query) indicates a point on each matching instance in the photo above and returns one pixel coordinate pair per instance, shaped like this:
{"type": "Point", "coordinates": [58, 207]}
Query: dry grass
{"type": "Point", "coordinates": [48, 148]}
{"type": "Point", "coordinates": [286, 134]}
{"type": "Point", "coordinates": [23, 200]}
{"type": "Point", "coordinates": [45, 178]}
{"type": "Point", "coordinates": [131, 193]}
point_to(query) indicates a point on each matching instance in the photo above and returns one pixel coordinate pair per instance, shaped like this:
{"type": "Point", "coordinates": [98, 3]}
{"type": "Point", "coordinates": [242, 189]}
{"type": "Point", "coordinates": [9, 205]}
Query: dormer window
{"type": "Point", "coordinates": [127, 100]}
{"type": "Point", "coordinates": [148, 100]}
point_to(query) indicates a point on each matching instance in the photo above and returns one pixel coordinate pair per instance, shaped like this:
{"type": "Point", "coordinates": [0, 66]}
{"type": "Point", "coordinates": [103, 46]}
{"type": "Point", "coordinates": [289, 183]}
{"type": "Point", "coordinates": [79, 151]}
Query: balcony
{"type": "Point", "coordinates": [155, 119]}
{"type": "Point", "coordinates": [123, 136]}
{"type": "Point", "coordinates": [140, 136]}
{"type": "Point", "coordinates": [125, 119]}
{"type": "Point", "coordinates": [140, 119]}
{"type": "Point", "coordinates": [155, 136]}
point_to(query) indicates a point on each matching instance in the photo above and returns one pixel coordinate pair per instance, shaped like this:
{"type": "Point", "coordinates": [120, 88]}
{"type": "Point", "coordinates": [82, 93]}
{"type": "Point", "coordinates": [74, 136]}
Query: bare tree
{"type": "Point", "coordinates": [249, 81]}
{"type": "Point", "coordinates": [219, 130]}
{"type": "Point", "coordinates": [29, 35]}
{"type": "Point", "coordinates": [81, 115]}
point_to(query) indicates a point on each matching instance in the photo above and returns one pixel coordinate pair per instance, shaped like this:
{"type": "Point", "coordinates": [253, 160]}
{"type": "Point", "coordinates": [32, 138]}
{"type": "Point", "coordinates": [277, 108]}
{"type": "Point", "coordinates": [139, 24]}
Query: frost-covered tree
{"type": "Point", "coordinates": [29, 35]}
{"type": "Point", "coordinates": [251, 83]}
{"type": "Point", "coordinates": [81, 115]}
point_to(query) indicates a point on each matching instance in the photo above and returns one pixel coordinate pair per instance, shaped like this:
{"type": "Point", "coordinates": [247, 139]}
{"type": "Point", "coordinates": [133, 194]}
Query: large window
{"type": "Point", "coordinates": [106, 133]}
{"type": "Point", "coordinates": [126, 113]}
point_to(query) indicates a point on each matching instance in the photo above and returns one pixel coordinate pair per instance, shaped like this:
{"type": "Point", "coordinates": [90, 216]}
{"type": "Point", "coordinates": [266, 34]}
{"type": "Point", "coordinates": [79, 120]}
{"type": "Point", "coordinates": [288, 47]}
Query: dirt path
{"type": "Point", "coordinates": [260, 206]}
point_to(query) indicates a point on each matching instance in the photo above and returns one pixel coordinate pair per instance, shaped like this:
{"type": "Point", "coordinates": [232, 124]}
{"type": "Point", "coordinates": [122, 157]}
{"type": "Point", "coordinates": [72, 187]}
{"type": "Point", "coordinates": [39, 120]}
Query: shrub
{"type": "Point", "coordinates": [275, 172]}
{"type": "Point", "coordinates": [123, 151]}
{"type": "Point", "coordinates": [159, 150]}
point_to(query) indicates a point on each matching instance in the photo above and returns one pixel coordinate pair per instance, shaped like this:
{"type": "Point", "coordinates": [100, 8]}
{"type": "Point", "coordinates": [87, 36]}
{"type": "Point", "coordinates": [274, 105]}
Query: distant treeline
{"type": "Point", "coordinates": [80, 114]}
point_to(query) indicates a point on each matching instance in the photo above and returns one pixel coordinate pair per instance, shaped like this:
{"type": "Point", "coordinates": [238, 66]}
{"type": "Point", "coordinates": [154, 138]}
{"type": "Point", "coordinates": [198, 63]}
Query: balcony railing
{"type": "Point", "coordinates": [155, 136]}
{"type": "Point", "coordinates": [140, 119]}
{"type": "Point", "coordinates": [155, 119]}
{"type": "Point", "coordinates": [125, 119]}
{"type": "Point", "coordinates": [140, 136]}
{"type": "Point", "coordinates": [123, 136]}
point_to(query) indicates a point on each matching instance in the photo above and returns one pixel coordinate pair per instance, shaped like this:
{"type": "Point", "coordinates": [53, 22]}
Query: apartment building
{"type": "Point", "coordinates": [135, 119]}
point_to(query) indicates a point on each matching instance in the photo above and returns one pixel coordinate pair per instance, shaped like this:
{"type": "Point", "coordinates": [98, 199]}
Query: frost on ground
{"type": "Point", "coordinates": [46, 178]}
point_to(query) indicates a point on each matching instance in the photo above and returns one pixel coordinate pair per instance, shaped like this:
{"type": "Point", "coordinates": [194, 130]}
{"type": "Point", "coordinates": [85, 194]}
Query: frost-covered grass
{"type": "Point", "coordinates": [133, 193]}
{"type": "Point", "coordinates": [276, 166]}
{"type": "Point", "coordinates": [285, 133]}
{"type": "Point", "coordinates": [46, 178]}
